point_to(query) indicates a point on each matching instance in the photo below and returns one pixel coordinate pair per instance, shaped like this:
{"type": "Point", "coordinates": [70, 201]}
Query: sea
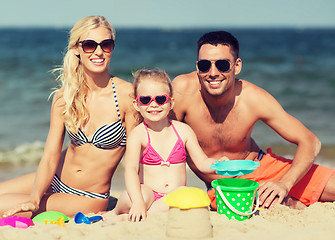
{"type": "Point", "coordinates": [296, 66]}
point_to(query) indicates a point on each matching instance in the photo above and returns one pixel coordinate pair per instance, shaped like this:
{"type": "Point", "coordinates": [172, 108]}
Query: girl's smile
{"type": "Point", "coordinates": [153, 112]}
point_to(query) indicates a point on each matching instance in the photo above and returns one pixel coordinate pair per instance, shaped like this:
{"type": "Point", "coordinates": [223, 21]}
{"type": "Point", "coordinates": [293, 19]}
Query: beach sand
{"type": "Point", "coordinates": [314, 222]}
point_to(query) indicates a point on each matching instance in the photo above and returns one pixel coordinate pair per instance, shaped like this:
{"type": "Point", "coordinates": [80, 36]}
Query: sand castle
{"type": "Point", "coordinates": [188, 215]}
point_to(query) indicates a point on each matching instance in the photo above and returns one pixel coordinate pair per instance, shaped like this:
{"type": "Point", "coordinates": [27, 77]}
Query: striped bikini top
{"type": "Point", "coordinates": [108, 136]}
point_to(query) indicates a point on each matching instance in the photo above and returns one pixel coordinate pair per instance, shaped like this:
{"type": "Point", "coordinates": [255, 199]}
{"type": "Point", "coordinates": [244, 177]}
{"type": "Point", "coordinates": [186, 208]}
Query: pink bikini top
{"type": "Point", "coordinates": [151, 157]}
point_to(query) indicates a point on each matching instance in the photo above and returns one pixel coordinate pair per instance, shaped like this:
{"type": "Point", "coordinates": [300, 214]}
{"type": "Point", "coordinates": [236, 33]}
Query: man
{"type": "Point", "coordinates": [222, 110]}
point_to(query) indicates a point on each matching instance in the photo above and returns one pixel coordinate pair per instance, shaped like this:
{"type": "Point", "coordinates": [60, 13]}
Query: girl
{"type": "Point", "coordinates": [92, 107]}
{"type": "Point", "coordinates": [155, 158]}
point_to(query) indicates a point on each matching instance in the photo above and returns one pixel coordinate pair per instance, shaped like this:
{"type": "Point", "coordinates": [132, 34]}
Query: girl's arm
{"type": "Point", "coordinates": [49, 162]}
{"type": "Point", "coordinates": [138, 208]}
{"type": "Point", "coordinates": [202, 162]}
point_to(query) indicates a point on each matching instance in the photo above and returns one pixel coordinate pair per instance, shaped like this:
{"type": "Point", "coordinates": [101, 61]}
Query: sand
{"type": "Point", "coordinates": [314, 222]}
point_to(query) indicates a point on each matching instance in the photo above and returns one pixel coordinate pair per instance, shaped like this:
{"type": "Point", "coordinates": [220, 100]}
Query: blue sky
{"type": "Point", "coordinates": [171, 13]}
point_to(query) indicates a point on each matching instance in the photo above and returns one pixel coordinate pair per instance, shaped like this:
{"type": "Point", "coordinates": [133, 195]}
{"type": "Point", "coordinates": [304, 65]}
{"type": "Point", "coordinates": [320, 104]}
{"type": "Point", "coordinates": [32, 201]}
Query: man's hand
{"type": "Point", "coordinates": [271, 193]}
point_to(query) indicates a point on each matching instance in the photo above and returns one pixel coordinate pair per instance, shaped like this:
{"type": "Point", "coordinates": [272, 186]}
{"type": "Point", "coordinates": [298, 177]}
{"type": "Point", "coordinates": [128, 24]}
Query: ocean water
{"type": "Point", "coordinates": [297, 66]}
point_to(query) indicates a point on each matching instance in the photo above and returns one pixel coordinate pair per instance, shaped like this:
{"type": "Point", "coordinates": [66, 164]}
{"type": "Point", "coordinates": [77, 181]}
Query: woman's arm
{"type": "Point", "coordinates": [49, 162]}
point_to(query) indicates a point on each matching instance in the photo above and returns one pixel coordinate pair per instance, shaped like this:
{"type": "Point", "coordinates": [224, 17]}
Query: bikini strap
{"type": "Point", "coordinates": [115, 99]}
{"type": "Point", "coordinates": [175, 130]}
{"type": "Point", "coordinates": [146, 128]}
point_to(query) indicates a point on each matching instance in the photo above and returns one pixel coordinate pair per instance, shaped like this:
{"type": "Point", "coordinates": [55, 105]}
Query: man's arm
{"type": "Point", "coordinates": [292, 130]}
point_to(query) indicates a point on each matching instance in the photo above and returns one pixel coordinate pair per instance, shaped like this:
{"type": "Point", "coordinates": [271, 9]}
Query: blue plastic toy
{"type": "Point", "coordinates": [235, 167]}
{"type": "Point", "coordinates": [81, 218]}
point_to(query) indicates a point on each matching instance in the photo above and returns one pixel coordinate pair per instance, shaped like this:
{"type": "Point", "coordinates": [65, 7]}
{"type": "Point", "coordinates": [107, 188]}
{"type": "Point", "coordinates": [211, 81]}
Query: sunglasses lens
{"type": "Point", "coordinates": [222, 65]}
{"type": "Point", "coordinates": [161, 99]}
{"type": "Point", "coordinates": [204, 65]}
{"type": "Point", "coordinates": [145, 100]}
{"type": "Point", "coordinates": [107, 45]}
{"type": "Point", "coordinates": [89, 46]}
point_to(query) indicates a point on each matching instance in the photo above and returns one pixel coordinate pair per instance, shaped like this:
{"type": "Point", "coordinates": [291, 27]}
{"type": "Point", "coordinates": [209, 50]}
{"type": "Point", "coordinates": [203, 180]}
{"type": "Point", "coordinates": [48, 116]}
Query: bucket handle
{"type": "Point", "coordinates": [234, 209]}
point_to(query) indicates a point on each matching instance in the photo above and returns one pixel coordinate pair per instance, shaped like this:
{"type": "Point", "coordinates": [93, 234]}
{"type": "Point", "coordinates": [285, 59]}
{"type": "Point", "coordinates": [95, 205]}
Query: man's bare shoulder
{"type": "Point", "coordinates": [251, 91]}
{"type": "Point", "coordinates": [186, 83]}
{"type": "Point", "coordinates": [257, 99]}
{"type": "Point", "coordinates": [247, 85]}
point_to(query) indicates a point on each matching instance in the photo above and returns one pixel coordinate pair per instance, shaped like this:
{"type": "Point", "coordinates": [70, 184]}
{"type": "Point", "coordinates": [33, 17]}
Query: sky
{"type": "Point", "coordinates": [171, 13]}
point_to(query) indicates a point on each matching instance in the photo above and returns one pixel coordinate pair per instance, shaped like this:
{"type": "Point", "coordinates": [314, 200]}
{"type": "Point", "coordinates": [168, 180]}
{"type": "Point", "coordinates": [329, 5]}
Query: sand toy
{"type": "Point", "coordinates": [81, 218]}
{"type": "Point", "coordinates": [50, 216]}
{"type": "Point", "coordinates": [235, 167]}
{"type": "Point", "coordinates": [16, 222]}
{"type": "Point", "coordinates": [235, 197]}
{"type": "Point", "coordinates": [59, 222]}
{"type": "Point", "coordinates": [188, 215]}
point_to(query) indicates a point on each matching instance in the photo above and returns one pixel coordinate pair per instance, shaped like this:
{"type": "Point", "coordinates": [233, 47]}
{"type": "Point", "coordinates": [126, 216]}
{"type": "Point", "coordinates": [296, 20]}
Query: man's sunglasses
{"type": "Point", "coordinates": [222, 65]}
{"type": "Point", "coordinates": [89, 46]}
{"type": "Point", "coordinates": [159, 99]}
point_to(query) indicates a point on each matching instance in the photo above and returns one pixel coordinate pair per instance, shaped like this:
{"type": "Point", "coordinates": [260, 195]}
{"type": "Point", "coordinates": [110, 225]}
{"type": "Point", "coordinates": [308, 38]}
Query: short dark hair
{"type": "Point", "coordinates": [220, 37]}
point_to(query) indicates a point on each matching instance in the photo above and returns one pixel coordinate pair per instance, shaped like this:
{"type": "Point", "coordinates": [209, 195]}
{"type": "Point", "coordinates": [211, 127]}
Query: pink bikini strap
{"type": "Point", "coordinates": [146, 128]}
{"type": "Point", "coordinates": [175, 130]}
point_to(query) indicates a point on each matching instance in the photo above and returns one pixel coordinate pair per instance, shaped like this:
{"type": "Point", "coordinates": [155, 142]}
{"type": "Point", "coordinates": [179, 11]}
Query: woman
{"type": "Point", "coordinates": [94, 109]}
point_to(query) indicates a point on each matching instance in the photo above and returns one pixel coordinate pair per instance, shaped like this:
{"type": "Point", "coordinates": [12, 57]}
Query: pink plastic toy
{"type": "Point", "coordinates": [16, 222]}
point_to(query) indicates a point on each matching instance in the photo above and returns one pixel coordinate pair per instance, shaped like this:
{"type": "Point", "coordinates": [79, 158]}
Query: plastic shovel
{"type": "Point", "coordinates": [81, 218]}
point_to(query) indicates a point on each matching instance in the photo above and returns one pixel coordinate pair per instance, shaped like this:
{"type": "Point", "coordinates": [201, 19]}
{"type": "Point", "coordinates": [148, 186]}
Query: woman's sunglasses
{"type": "Point", "coordinates": [222, 65]}
{"type": "Point", "coordinates": [89, 46]}
{"type": "Point", "coordinates": [159, 99]}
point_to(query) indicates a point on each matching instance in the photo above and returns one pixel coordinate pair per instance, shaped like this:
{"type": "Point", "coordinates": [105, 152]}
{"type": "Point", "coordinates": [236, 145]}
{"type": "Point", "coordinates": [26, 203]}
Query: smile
{"type": "Point", "coordinates": [154, 112]}
{"type": "Point", "coordinates": [215, 84]}
{"type": "Point", "coordinates": [98, 60]}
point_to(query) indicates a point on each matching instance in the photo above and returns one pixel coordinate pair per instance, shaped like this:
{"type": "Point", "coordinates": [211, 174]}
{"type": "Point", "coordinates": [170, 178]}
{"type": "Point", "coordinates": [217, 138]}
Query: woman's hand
{"type": "Point", "coordinates": [137, 212]}
{"type": "Point", "coordinates": [21, 207]}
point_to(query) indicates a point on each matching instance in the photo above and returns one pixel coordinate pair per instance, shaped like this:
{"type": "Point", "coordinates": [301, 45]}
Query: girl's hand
{"type": "Point", "coordinates": [137, 212]}
{"type": "Point", "coordinates": [21, 207]}
{"type": "Point", "coordinates": [224, 158]}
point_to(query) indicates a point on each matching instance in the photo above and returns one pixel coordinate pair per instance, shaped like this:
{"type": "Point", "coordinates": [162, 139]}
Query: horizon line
{"type": "Point", "coordinates": [179, 27]}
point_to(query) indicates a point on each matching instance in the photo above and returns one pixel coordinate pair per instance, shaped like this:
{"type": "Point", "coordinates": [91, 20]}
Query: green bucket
{"type": "Point", "coordinates": [235, 197]}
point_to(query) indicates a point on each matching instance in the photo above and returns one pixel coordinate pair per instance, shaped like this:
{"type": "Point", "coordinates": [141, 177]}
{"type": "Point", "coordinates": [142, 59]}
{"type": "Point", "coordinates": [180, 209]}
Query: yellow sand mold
{"type": "Point", "coordinates": [187, 197]}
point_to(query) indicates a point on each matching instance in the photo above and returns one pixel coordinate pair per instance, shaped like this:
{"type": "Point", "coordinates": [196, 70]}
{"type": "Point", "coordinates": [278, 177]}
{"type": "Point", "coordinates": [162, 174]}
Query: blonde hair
{"type": "Point", "coordinates": [157, 74]}
{"type": "Point", "coordinates": [72, 77]}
